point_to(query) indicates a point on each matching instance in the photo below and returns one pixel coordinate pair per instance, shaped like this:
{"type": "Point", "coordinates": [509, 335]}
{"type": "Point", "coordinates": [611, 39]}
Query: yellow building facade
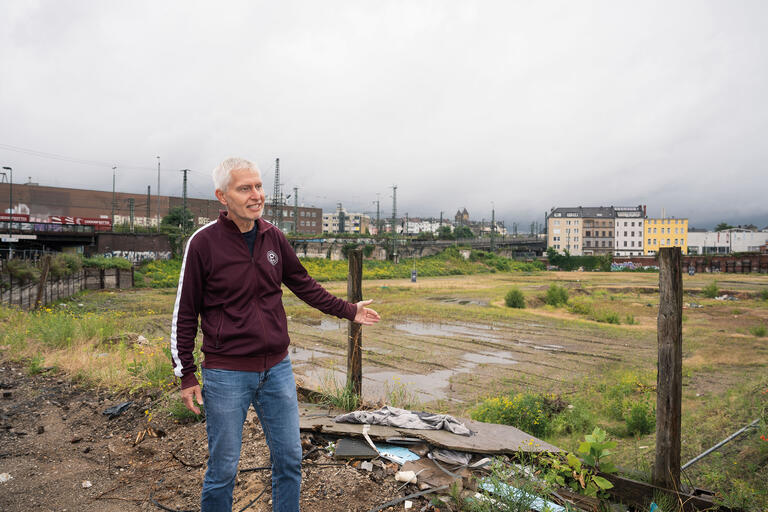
{"type": "Point", "coordinates": [667, 232]}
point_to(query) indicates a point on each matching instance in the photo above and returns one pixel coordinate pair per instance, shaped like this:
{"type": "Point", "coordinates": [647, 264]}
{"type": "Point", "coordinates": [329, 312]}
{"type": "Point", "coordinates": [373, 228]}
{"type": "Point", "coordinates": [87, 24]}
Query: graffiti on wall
{"type": "Point", "coordinates": [139, 256]}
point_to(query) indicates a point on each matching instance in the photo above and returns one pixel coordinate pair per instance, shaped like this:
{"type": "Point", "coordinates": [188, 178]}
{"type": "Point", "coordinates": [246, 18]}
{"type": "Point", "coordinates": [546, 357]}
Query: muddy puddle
{"type": "Point", "coordinates": [377, 382]}
{"type": "Point", "coordinates": [470, 331]}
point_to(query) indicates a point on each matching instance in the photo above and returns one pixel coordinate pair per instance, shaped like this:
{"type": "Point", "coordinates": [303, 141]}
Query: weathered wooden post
{"type": "Point", "coordinates": [355, 338]}
{"type": "Point", "coordinates": [669, 381]}
{"type": "Point", "coordinates": [41, 285]}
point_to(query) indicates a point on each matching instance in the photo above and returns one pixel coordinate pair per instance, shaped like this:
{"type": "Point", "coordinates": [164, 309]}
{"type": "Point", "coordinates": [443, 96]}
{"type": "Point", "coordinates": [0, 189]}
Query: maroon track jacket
{"type": "Point", "coordinates": [238, 299]}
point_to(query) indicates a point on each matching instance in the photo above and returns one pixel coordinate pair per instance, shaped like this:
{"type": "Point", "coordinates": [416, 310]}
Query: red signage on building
{"type": "Point", "coordinates": [98, 224]}
{"type": "Point", "coordinates": [17, 217]}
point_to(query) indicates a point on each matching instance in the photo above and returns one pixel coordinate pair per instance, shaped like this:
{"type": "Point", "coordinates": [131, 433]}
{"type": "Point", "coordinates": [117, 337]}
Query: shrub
{"type": "Point", "coordinates": [758, 330]}
{"type": "Point", "coordinates": [556, 295]}
{"type": "Point", "coordinates": [580, 307]}
{"type": "Point", "coordinates": [630, 319]}
{"type": "Point", "coordinates": [529, 412]}
{"type": "Point", "coordinates": [711, 290]}
{"type": "Point", "coordinates": [641, 419]}
{"type": "Point", "coordinates": [763, 294]}
{"type": "Point", "coordinates": [515, 299]}
{"type": "Point", "coordinates": [22, 270]}
{"type": "Point", "coordinates": [102, 262]}
{"type": "Point", "coordinates": [574, 420]}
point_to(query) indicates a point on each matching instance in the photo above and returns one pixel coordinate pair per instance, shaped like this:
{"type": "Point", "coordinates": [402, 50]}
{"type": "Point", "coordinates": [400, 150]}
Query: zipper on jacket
{"type": "Point", "coordinates": [218, 328]}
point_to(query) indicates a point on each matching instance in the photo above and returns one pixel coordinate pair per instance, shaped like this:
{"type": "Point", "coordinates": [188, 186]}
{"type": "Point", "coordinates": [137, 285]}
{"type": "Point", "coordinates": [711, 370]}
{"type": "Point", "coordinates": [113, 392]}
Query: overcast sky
{"type": "Point", "coordinates": [523, 105]}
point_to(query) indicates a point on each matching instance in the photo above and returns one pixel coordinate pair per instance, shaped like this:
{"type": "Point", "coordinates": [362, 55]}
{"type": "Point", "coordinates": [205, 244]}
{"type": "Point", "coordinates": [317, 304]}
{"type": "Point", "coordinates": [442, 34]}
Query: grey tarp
{"type": "Point", "coordinates": [402, 418]}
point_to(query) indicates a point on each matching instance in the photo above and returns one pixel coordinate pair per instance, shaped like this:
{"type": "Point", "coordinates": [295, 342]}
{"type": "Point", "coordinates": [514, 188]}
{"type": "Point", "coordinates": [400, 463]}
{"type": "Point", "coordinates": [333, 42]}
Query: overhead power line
{"type": "Point", "coordinates": [64, 158]}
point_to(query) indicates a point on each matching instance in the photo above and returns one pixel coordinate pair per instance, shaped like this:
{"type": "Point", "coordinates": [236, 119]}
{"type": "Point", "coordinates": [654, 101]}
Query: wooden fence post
{"type": "Point", "coordinates": [669, 380]}
{"type": "Point", "coordinates": [43, 277]}
{"type": "Point", "coordinates": [355, 338]}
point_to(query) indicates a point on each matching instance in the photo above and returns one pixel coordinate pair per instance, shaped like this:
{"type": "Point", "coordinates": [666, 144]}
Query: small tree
{"type": "Point", "coordinates": [445, 233]}
{"type": "Point", "coordinates": [463, 232]}
{"type": "Point", "coordinates": [178, 216]}
{"type": "Point", "coordinates": [515, 299]}
{"type": "Point", "coordinates": [722, 226]}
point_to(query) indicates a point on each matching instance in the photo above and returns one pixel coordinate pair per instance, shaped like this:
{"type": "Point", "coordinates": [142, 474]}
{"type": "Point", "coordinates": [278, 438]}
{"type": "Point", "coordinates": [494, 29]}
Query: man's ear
{"type": "Point", "coordinates": [220, 197]}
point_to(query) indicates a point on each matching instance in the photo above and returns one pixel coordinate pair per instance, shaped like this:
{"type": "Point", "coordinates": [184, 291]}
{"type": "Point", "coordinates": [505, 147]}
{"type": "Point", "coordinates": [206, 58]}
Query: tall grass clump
{"type": "Point", "coordinates": [759, 331]}
{"type": "Point", "coordinates": [515, 299]}
{"type": "Point", "coordinates": [711, 290]}
{"type": "Point", "coordinates": [763, 294]}
{"type": "Point", "coordinates": [333, 394]}
{"type": "Point", "coordinates": [556, 295]}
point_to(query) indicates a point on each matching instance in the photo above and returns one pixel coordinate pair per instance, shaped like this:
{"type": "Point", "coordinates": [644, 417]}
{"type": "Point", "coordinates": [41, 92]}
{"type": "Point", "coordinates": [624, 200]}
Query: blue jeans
{"type": "Point", "coordinates": [227, 395]}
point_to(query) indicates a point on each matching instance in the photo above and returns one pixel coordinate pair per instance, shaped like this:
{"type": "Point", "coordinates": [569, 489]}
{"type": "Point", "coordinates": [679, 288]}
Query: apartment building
{"type": "Point", "coordinates": [342, 221]}
{"type": "Point", "coordinates": [297, 219]}
{"type": "Point", "coordinates": [564, 230]}
{"type": "Point", "coordinates": [665, 232]}
{"type": "Point", "coordinates": [598, 230]}
{"type": "Point", "coordinates": [727, 241]}
{"type": "Point", "coordinates": [629, 224]}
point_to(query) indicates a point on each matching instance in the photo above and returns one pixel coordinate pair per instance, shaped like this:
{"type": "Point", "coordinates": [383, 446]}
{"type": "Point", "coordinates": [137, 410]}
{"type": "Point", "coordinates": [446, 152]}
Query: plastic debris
{"type": "Point", "coordinates": [4, 477]}
{"type": "Point", "coordinates": [507, 491]}
{"type": "Point", "coordinates": [408, 504]}
{"type": "Point", "coordinates": [366, 465]}
{"type": "Point", "coordinates": [117, 410]}
{"type": "Point", "coordinates": [86, 484]}
{"type": "Point", "coordinates": [408, 477]}
{"type": "Point", "coordinates": [396, 454]}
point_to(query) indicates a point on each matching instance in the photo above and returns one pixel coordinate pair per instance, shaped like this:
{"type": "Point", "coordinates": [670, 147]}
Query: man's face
{"type": "Point", "coordinates": [244, 198]}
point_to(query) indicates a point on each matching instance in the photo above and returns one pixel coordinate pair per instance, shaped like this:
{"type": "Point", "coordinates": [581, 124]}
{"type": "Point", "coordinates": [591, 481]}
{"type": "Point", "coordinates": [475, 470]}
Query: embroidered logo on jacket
{"type": "Point", "coordinates": [272, 257]}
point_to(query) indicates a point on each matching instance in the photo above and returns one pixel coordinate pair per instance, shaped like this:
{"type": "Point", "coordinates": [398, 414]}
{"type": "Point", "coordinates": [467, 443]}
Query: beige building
{"type": "Point", "coordinates": [565, 230]}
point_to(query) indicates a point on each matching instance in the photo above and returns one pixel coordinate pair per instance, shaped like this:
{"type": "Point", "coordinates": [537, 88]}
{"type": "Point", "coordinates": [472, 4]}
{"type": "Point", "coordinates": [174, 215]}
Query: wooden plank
{"type": "Point", "coordinates": [640, 494]}
{"type": "Point", "coordinates": [355, 338]}
{"type": "Point", "coordinates": [488, 438]}
{"type": "Point", "coordinates": [669, 380]}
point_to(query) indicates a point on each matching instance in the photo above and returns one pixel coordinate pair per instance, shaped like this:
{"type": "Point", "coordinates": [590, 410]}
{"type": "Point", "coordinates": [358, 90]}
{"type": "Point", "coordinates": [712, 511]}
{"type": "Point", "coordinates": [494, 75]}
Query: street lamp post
{"type": "Point", "coordinates": [158, 193]}
{"type": "Point", "coordinates": [113, 197]}
{"type": "Point", "coordinates": [10, 210]}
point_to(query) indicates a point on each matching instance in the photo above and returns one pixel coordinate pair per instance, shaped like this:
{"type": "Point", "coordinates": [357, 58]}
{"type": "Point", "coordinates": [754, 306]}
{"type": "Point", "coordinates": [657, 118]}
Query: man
{"type": "Point", "coordinates": [230, 278]}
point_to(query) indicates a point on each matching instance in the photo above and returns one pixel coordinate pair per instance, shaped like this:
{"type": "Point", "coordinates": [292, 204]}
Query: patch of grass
{"type": "Point", "coordinates": [179, 412]}
{"type": "Point", "coordinates": [711, 290]}
{"type": "Point", "coordinates": [758, 330]}
{"type": "Point", "coordinates": [763, 295]}
{"type": "Point", "coordinates": [399, 395]}
{"type": "Point", "coordinates": [577, 418]}
{"type": "Point", "coordinates": [641, 418]}
{"type": "Point", "coordinates": [515, 299]}
{"type": "Point", "coordinates": [606, 317]}
{"type": "Point", "coordinates": [36, 365]}
{"type": "Point", "coordinates": [629, 319]}
{"type": "Point", "coordinates": [333, 394]}
{"type": "Point", "coordinates": [556, 295]}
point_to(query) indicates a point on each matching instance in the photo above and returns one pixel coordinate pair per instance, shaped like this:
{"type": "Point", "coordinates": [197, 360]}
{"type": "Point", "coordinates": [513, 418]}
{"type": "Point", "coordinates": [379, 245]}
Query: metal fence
{"type": "Point", "coordinates": [25, 295]}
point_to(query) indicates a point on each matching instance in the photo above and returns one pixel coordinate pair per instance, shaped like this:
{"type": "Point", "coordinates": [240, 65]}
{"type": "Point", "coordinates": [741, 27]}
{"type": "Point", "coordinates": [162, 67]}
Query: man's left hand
{"type": "Point", "coordinates": [366, 316]}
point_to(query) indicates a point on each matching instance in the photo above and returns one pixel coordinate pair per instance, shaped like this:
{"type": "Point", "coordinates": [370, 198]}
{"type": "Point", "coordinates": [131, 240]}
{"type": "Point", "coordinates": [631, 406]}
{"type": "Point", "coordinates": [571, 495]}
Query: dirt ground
{"type": "Point", "coordinates": [64, 454]}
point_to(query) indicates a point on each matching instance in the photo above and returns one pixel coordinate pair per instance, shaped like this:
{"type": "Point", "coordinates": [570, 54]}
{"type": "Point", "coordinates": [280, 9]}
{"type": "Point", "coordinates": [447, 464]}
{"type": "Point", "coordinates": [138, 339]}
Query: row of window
{"type": "Point", "coordinates": [668, 231]}
{"type": "Point", "coordinates": [667, 221]}
{"type": "Point", "coordinates": [602, 243]}
{"type": "Point", "coordinates": [289, 213]}
{"type": "Point", "coordinates": [677, 241]}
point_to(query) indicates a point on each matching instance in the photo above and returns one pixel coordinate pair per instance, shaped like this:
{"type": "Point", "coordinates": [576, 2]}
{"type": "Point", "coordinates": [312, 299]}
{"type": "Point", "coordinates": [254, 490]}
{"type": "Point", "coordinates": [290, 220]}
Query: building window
{"type": "Point", "coordinates": [633, 224]}
{"type": "Point", "coordinates": [649, 241]}
{"type": "Point", "coordinates": [667, 241]}
{"type": "Point", "coordinates": [633, 243]}
{"type": "Point", "coordinates": [625, 243]}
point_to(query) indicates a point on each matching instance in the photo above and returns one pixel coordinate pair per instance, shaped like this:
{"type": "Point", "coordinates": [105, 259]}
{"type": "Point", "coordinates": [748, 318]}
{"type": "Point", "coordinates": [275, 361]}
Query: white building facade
{"type": "Point", "coordinates": [629, 230]}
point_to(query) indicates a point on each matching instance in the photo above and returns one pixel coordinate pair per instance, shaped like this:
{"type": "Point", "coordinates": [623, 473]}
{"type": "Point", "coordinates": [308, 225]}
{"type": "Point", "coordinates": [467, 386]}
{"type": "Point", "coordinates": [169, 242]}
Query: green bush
{"type": "Point", "coordinates": [711, 290]}
{"type": "Point", "coordinates": [580, 307]}
{"type": "Point", "coordinates": [763, 294]}
{"type": "Point", "coordinates": [104, 263]}
{"type": "Point", "coordinates": [530, 412]}
{"type": "Point", "coordinates": [515, 299]}
{"type": "Point", "coordinates": [607, 317]}
{"type": "Point", "coordinates": [630, 319]}
{"type": "Point", "coordinates": [758, 330]}
{"type": "Point", "coordinates": [22, 270]}
{"type": "Point", "coordinates": [556, 295]}
{"type": "Point", "coordinates": [575, 419]}
{"type": "Point", "coordinates": [641, 418]}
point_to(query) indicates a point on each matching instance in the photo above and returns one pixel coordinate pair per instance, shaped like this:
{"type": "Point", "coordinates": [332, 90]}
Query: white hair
{"type": "Point", "coordinates": [223, 172]}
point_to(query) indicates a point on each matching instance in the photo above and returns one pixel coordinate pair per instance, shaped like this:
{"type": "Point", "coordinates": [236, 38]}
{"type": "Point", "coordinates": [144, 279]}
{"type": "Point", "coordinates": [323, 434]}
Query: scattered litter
{"type": "Point", "coordinates": [396, 454]}
{"type": "Point", "coordinates": [481, 463]}
{"type": "Point", "coordinates": [352, 448]}
{"type": "Point", "coordinates": [408, 477]}
{"type": "Point", "coordinates": [366, 465]}
{"type": "Point", "coordinates": [86, 484]}
{"type": "Point", "coordinates": [406, 441]}
{"type": "Point", "coordinates": [408, 504]}
{"type": "Point", "coordinates": [726, 297]}
{"type": "Point", "coordinates": [693, 305]}
{"type": "Point", "coordinates": [117, 410]}
{"type": "Point", "coordinates": [4, 477]}
{"type": "Point", "coordinates": [402, 418]}
{"type": "Point", "coordinates": [451, 456]}
{"type": "Point", "coordinates": [508, 491]}
{"type": "Point", "coordinates": [148, 432]}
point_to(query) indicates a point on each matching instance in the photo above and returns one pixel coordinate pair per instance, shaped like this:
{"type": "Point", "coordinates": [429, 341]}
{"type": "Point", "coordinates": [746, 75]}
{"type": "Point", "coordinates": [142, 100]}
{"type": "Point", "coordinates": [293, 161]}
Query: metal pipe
{"type": "Point", "coordinates": [721, 443]}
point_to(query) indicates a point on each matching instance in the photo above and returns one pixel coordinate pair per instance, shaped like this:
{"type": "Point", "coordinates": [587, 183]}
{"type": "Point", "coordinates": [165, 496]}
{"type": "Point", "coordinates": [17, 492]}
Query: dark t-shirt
{"type": "Point", "coordinates": [250, 237]}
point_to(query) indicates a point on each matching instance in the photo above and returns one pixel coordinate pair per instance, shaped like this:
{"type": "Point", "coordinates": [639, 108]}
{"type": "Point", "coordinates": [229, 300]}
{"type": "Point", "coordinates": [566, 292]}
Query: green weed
{"type": "Point", "coordinates": [556, 295]}
{"type": "Point", "coordinates": [341, 397]}
{"type": "Point", "coordinates": [529, 412]}
{"type": "Point", "coordinates": [711, 290]}
{"type": "Point", "coordinates": [758, 330]}
{"type": "Point", "coordinates": [399, 395]}
{"type": "Point", "coordinates": [179, 412]}
{"type": "Point", "coordinates": [515, 299]}
{"type": "Point", "coordinates": [630, 319]}
{"type": "Point", "coordinates": [641, 418]}
{"type": "Point", "coordinates": [763, 294]}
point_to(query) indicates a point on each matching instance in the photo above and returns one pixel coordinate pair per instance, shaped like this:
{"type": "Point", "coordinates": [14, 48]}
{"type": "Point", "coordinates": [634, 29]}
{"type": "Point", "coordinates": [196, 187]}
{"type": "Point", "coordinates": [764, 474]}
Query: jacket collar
{"type": "Point", "coordinates": [229, 224]}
